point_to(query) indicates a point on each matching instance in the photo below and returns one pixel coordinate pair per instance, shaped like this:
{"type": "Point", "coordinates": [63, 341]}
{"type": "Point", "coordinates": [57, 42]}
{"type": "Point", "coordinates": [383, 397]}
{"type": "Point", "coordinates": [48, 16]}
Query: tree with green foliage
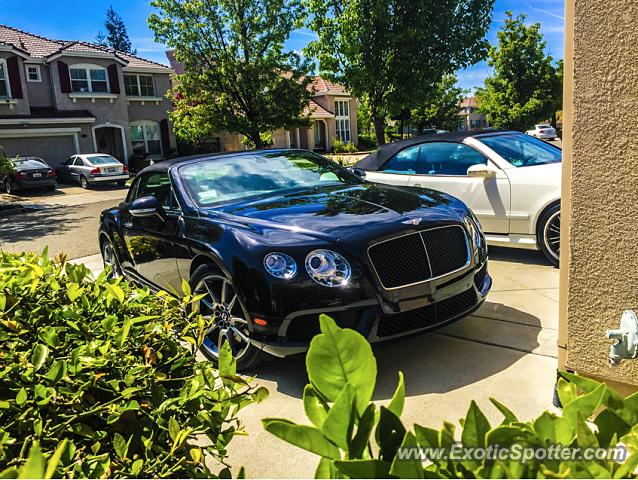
{"type": "Point", "coordinates": [440, 108]}
{"type": "Point", "coordinates": [116, 35]}
{"type": "Point", "coordinates": [393, 51]}
{"type": "Point", "coordinates": [525, 87]}
{"type": "Point", "coordinates": [238, 76]}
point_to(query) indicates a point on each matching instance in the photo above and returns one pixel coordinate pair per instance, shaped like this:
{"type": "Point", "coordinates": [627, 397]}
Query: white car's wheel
{"type": "Point", "coordinates": [548, 234]}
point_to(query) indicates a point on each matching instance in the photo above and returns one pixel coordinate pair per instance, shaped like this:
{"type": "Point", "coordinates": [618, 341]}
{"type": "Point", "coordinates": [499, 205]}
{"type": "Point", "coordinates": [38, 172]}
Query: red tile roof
{"type": "Point", "coordinates": [319, 84]}
{"type": "Point", "coordinates": [40, 47]}
{"type": "Point", "coordinates": [314, 110]}
{"type": "Point", "coordinates": [469, 102]}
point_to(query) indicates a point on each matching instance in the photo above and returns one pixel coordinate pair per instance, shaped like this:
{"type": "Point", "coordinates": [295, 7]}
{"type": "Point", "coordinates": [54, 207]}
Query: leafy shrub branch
{"type": "Point", "coordinates": [355, 438]}
{"type": "Point", "coordinates": [98, 378]}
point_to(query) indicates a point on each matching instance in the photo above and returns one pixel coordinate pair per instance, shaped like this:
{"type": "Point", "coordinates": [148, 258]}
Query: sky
{"type": "Point", "coordinates": [75, 20]}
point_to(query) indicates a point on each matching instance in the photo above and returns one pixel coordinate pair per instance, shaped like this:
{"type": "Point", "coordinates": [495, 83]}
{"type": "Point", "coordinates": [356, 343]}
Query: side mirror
{"type": "Point", "coordinates": [359, 172]}
{"type": "Point", "coordinates": [484, 171]}
{"type": "Point", "coordinates": [147, 207]}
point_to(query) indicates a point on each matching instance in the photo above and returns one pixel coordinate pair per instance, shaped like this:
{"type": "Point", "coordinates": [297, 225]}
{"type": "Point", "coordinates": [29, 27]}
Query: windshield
{"type": "Point", "coordinates": [29, 163]}
{"type": "Point", "coordinates": [522, 150]}
{"type": "Point", "coordinates": [219, 180]}
{"type": "Point", "coordinates": [102, 160]}
{"type": "Point", "coordinates": [543, 126]}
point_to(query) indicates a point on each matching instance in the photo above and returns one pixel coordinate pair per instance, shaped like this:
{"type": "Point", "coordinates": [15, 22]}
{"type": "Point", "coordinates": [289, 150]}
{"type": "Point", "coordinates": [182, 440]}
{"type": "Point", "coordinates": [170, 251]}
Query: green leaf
{"type": "Point", "coordinates": [325, 469]}
{"type": "Point", "coordinates": [34, 467]}
{"type": "Point", "coordinates": [585, 405]}
{"type": "Point", "coordinates": [339, 356]}
{"type": "Point", "coordinates": [610, 423]}
{"type": "Point", "coordinates": [389, 434]}
{"type": "Point", "coordinates": [122, 335]}
{"type": "Point", "coordinates": [115, 292]}
{"type": "Point", "coordinates": [507, 413]}
{"type": "Point", "coordinates": [54, 461]}
{"type": "Point", "coordinates": [552, 429]}
{"type": "Point", "coordinates": [360, 442]}
{"type": "Point", "coordinates": [316, 410]}
{"type": "Point", "coordinates": [39, 356]}
{"type": "Point", "coordinates": [475, 427]}
{"type": "Point", "coordinates": [21, 397]}
{"type": "Point", "coordinates": [339, 422]}
{"type": "Point", "coordinates": [398, 399]}
{"type": "Point", "coordinates": [56, 372]}
{"type": "Point", "coordinates": [173, 428]}
{"type": "Point", "coordinates": [628, 467]}
{"type": "Point", "coordinates": [584, 436]}
{"type": "Point", "coordinates": [136, 467]}
{"type": "Point", "coordinates": [226, 363]}
{"type": "Point", "coordinates": [566, 391]}
{"type": "Point", "coordinates": [363, 468]}
{"type": "Point", "coordinates": [186, 288]}
{"type": "Point", "coordinates": [119, 445]}
{"type": "Point", "coordinates": [407, 467]}
{"type": "Point", "coordinates": [302, 436]}
{"type": "Point", "coordinates": [73, 291]}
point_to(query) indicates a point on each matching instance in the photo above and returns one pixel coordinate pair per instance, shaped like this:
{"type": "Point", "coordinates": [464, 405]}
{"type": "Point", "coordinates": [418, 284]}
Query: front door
{"type": "Point", "coordinates": [109, 140]}
{"type": "Point", "coordinates": [443, 166]}
{"type": "Point", "coordinates": [150, 240]}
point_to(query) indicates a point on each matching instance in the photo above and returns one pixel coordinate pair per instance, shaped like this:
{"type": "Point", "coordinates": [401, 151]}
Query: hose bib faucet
{"type": "Point", "coordinates": [627, 335]}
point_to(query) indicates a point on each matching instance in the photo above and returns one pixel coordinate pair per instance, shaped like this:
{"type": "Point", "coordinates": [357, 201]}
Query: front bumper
{"type": "Point", "coordinates": [452, 301]}
{"type": "Point", "coordinates": [107, 178]}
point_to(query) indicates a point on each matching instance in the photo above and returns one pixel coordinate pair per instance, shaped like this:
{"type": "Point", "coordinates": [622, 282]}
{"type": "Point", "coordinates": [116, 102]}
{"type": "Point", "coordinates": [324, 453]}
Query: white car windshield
{"type": "Point", "coordinates": [543, 126]}
{"type": "Point", "coordinates": [221, 180]}
{"type": "Point", "coordinates": [102, 160]}
{"type": "Point", "coordinates": [523, 150]}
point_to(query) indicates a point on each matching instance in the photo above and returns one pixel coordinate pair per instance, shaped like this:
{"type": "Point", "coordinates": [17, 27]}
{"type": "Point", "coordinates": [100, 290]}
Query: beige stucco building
{"type": "Point", "coordinates": [599, 258]}
{"type": "Point", "coordinates": [59, 98]}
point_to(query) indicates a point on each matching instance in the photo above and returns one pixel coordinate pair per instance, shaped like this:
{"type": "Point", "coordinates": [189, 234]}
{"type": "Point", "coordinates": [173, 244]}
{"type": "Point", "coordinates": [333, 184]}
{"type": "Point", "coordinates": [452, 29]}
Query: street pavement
{"type": "Point", "coordinates": [67, 220]}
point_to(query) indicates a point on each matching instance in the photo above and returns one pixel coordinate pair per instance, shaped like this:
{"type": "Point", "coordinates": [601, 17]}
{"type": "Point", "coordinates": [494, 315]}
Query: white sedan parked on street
{"type": "Point", "coordinates": [510, 180]}
{"type": "Point", "coordinates": [91, 168]}
{"type": "Point", "coordinates": [543, 131]}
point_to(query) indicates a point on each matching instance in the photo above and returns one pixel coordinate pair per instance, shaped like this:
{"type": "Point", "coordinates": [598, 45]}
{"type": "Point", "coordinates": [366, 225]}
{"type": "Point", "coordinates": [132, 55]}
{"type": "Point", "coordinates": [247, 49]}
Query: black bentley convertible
{"type": "Point", "coordinates": [276, 238]}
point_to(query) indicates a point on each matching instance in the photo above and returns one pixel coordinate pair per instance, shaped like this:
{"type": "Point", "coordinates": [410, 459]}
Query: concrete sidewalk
{"type": "Point", "coordinates": [505, 350]}
{"type": "Point", "coordinates": [68, 196]}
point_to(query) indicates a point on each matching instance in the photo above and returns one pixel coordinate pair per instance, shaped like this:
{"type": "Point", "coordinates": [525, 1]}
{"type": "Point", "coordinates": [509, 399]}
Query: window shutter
{"type": "Point", "coordinates": [114, 79]}
{"type": "Point", "coordinates": [165, 136]}
{"type": "Point", "coordinates": [13, 69]}
{"type": "Point", "coordinates": [65, 77]}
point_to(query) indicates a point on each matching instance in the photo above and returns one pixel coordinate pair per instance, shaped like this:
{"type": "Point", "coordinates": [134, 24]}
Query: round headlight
{"type": "Point", "coordinates": [280, 265]}
{"type": "Point", "coordinates": [328, 268]}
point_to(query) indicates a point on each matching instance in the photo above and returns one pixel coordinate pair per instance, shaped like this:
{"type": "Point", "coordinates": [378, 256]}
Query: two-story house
{"type": "Point", "coordinates": [470, 117]}
{"type": "Point", "coordinates": [59, 98]}
{"type": "Point", "coordinates": [332, 112]}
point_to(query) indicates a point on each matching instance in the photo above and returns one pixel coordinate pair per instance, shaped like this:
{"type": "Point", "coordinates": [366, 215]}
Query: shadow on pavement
{"type": "Point", "coordinates": [63, 189]}
{"type": "Point", "coordinates": [39, 223]}
{"type": "Point", "coordinates": [517, 255]}
{"type": "Point", "coordinates": [433, 362]}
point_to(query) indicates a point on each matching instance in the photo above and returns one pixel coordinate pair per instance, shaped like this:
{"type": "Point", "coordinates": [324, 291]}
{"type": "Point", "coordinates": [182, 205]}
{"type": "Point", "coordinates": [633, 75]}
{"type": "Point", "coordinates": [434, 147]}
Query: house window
{"type": "Point", "coordinates": [4, 80]}
{"type": "Point", "coordinates": [342, 118]}
{"type": "Point", "coordinates": [89, 78]}
{"type": "Point", "coordinates": [33, 73]}
{"type": "Point", "coordinates": [145, 136]}
{"type": "Point", "coordinates": [139, 85]}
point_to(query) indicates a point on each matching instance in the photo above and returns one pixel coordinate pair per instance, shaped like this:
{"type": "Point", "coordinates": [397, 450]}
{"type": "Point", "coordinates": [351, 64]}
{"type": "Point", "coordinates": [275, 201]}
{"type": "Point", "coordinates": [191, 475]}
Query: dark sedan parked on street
{"type": "Point", "coordinates": [29, 172]}
{"type": "Point", "coordinates": [275, 238]}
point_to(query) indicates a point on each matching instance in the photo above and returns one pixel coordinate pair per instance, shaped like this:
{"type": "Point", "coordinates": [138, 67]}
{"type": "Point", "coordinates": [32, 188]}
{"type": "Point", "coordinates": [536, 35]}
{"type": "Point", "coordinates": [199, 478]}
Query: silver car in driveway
{"type": "Point", "coordinates": [91, 168]}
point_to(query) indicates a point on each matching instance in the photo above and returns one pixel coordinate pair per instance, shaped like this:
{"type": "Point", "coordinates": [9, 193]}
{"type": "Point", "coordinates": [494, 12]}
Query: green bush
{"type": "Point", "coordinates": [99, 379]}
{"type": "Point", "coordinates": [6, 165]}
{"type": "Point", "coordinates": [367, 142]}
{"type": "Point", "coordinates": [342, 147]}
{"type": "Point", "coordinates": [266, 140]}
{"type": "Point", "coordinates": [357, 439]}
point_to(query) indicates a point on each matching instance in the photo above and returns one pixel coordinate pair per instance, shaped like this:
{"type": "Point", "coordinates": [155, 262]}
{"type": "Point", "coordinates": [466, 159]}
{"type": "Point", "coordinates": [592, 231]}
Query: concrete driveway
{"type": "Point", "coordinates": [506, 350]}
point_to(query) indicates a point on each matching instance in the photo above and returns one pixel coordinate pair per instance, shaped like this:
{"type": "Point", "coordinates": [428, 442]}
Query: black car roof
{"type": "Point", "coordinates": [377, 159]}
{"type": "Point", "coordinates": [165, 165]}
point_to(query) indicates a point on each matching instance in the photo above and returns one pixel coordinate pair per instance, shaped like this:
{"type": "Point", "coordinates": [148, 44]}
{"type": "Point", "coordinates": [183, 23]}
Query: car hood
{"type": "Point", "coordinates": [350, 212]}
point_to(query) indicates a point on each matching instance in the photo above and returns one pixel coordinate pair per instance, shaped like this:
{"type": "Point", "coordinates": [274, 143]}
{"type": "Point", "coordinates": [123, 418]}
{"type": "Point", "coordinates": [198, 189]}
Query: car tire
{"type": "Point", "coordinates": [109, 258]}
{"type": "Point", "coordinates": [228, 317]}
{"type": "Point", "coordinates": [84, 183]}
{"type": "Point", "coordinates": [8, 188]}
{"type": "Point", "coordinates": [548, 233]}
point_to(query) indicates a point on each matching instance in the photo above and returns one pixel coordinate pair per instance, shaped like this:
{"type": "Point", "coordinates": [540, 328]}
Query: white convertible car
{"type": "Point", "coordinates": [510, 180]}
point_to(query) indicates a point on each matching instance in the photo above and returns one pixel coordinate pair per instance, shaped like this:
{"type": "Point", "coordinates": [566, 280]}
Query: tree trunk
{"type": "Point", "coordinates": [379, 128]}
{"type": "Point", "coordinates": [256, 138]}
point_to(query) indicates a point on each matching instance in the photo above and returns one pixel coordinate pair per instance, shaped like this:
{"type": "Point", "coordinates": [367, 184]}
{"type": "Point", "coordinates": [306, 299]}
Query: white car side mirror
{"type": "Point", "coordinates": [484, 171]}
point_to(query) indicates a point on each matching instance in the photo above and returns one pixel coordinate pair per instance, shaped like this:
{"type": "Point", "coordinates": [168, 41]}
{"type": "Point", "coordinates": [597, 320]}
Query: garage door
{"type": "Point", "coordinates": [54, 150]}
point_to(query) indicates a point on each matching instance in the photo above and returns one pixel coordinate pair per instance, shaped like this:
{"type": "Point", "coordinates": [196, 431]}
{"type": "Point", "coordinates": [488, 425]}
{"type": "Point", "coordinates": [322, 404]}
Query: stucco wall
{"type": "Point", "coordinates": [600, 190]}
{"type": "Point", "coordinates": [40, 93]}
